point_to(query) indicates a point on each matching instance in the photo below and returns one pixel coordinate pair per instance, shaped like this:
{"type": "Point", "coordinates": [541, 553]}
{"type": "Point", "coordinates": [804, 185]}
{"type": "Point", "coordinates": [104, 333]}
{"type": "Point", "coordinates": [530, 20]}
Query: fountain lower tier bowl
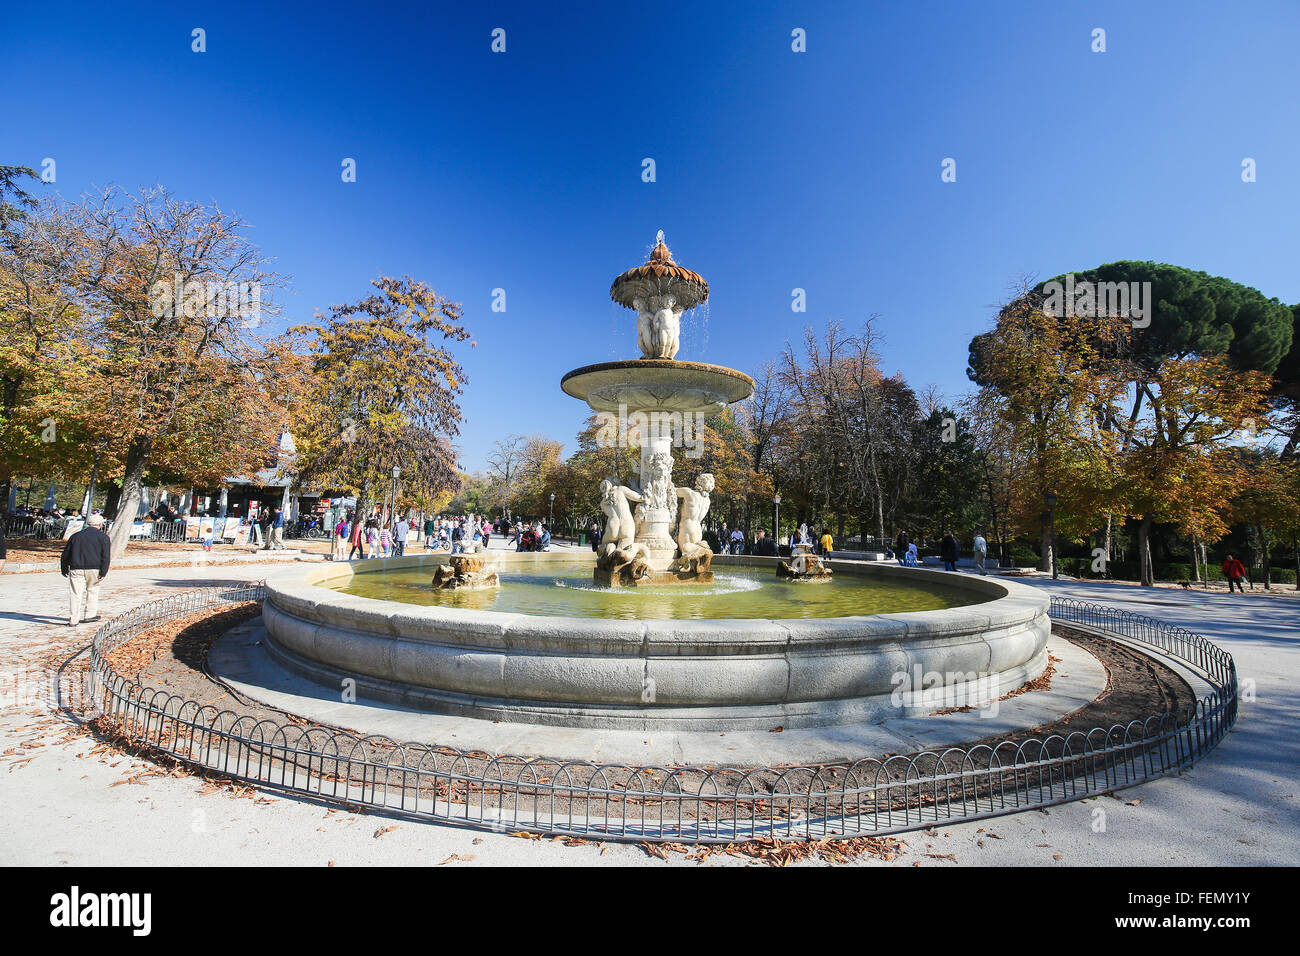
{"type": "Point", "coordinates": [657, 385]}
{"type": "Point", "coordinates": [750, 652]}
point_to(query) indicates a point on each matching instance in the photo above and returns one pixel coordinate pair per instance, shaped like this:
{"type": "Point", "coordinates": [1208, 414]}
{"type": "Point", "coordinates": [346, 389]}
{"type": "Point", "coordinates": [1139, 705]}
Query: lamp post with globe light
{"type": "Point", "coordinates": [392, 514]}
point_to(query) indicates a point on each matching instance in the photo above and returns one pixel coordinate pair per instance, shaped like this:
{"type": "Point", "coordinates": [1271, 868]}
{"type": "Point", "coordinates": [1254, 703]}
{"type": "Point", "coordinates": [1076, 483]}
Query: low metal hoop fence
{"type": "Point", "coordinates": [873, 796]}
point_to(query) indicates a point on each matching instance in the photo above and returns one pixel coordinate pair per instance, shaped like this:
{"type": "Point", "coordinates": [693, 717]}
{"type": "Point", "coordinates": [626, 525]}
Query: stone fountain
{"type": "Point", "coordinates": [470, 654]}
{"type": "Point", "coordinates": [653, 528]}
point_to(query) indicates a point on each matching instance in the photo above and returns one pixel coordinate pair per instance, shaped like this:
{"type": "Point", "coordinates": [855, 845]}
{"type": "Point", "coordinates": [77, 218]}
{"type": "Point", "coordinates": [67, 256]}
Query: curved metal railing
{"type": "Point", "coordinates": [868, 797]}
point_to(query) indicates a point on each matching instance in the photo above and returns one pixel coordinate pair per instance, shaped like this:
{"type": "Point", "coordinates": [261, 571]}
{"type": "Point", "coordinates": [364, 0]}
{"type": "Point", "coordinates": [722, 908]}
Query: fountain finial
{"type": "Point", "coordinates": [660, 276]}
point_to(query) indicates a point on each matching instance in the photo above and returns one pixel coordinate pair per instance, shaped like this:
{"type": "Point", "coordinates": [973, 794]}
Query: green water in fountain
{"type": "Point", "coordinates": [563, 588]}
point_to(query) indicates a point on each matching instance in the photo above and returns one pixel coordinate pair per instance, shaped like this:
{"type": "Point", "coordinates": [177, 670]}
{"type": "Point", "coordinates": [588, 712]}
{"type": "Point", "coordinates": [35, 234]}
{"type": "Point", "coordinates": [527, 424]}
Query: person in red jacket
{"type": "Point", "coordinates": [1234, 571]}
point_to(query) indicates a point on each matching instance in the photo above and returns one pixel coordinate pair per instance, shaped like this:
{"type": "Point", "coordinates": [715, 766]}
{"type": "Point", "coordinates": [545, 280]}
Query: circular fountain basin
{"type": "Point", "coordinates": [657, 384]}
{"type": "Point", "coordinates": [742, 673]}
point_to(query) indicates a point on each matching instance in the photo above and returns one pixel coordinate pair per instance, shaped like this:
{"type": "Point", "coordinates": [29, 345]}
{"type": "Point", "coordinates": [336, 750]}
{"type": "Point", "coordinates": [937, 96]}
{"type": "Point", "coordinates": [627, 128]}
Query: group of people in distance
{"type": "Point", "coordinates": [531, 537]}
{"type": "Point", "coordinates": [381, 536]}
{"type": "Point", "coordinates": [905, 553]}
{"type": "Point", "coordinates": [86, 554]}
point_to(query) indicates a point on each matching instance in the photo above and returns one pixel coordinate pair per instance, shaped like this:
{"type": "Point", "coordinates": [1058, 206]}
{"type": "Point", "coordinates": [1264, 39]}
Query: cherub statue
{"type": "Point", "coordinates": [658, 326]}
{"type": "Point", "coordinates": [618, 547]}
{"type": "Point", "coordinates": [645, 319]}
{"type": "Point", "coordinates": [694, 553]}
{"type": "Point", "coordinates": [667, 328]}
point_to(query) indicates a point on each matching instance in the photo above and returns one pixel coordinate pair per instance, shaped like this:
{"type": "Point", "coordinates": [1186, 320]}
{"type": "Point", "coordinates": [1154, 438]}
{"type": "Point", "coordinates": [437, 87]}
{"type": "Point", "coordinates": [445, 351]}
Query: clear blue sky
{"type": "Point", "coordinates": [775, 169]}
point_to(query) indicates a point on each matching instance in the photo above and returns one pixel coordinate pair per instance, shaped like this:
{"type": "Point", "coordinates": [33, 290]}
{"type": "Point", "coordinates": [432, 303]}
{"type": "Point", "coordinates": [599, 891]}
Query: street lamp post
{"type": "Point", "coordinates": [392, 514]}
{"type": "Point", "coordinates": [776, 521]}
{"type": "Point", "coordinates": [552, 521]}
{"type": "Point", "coordinates": [1050, 500]}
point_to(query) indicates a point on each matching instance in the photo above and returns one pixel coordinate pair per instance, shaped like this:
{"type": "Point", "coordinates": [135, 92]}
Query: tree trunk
{"type": "Point", "coordinates": [111, 497]}
{"type": "Point", "coordinates": [137, 462]}
{"type": "Point", "coordinates": [363, 504]}
{"type": "Point", "coordinates": [1264, 549]}
{"type": "Point", "coordinates": [1196, 561]}
{"type": "Point", "coordinates": [1147, 578]}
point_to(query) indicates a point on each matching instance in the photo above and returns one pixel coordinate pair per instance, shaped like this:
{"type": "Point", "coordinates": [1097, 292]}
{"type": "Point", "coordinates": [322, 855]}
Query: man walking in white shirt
{"type": "Point", "coordinates": [981, 552]}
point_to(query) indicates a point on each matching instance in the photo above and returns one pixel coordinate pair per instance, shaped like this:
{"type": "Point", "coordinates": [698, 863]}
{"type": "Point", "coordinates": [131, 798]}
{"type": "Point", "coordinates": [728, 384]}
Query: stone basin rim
{"type": "Point", "coordinates": [714, 674]}
{"type": "Point", "coordinates": [669, 365]}
{"type": "Point", "coordinates": [1013, 601]}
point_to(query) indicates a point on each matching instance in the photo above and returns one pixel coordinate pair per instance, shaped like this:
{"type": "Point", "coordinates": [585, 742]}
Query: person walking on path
{"type": "Point", "coordinates": [1234, 571]}
{"type": "Point", "coordinates": [401, 532]}
{"type": "Point", "coordinates": [900, 546]}
{"type": "Point", "coordinates": [357, 536]}
{"type": "Point", "coordinates": [981, 552]}
{"type": "Point", "coordinates": [737, 541]}
{"type": "Point", "coordinates": [342, 530]}
{"type": "Point", "coordinates": [85, 564]}
{"type": "Point", "coordinates": [827, 543]}
{"type": "Point", "coordinates": [264, 525]}
{"type": "Point", "coordinates": [948, 551]}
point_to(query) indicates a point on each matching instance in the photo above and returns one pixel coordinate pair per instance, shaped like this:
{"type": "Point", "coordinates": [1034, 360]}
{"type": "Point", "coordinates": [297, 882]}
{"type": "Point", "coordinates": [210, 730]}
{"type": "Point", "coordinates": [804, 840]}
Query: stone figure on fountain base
{"type": "Point", "coordinates": [658, 326]}
{"type": "Point", "coordinates": [694, 556]}
{"type": "Point", "coordinates": [803, 566]}
{"type": "Point", "coordinates": [620, 559]}
{"type": "Point", "coordinates": [464, 571]}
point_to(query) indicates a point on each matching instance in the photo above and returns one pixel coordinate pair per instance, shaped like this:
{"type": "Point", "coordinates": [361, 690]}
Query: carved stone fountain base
{"type": "Point", "coordinates": [803, 567]}
{"type": "Point", "coordinates": [607, 578]}
{"type": "Point", "coordinates": [464, 571]}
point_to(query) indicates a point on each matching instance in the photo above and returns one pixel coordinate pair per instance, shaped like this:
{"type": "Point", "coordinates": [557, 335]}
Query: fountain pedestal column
{"type": "Point", "coordinates": [654, 518]}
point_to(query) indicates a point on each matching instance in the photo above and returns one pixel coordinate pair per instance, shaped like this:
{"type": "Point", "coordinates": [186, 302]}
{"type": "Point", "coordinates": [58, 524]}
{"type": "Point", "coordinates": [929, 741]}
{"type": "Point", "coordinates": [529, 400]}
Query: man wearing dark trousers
{"type": "Point", "coordinates": [85, 565]}
{"type": "Point", "coordinates": [1234, 571]}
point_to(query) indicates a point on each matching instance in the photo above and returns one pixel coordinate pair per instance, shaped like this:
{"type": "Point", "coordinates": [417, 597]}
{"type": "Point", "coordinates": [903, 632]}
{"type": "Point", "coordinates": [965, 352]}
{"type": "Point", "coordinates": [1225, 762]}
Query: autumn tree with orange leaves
{"type": "Point", "coordinates": [384, 392]}
{"type": "Point", "coordinates": [1044, 389]}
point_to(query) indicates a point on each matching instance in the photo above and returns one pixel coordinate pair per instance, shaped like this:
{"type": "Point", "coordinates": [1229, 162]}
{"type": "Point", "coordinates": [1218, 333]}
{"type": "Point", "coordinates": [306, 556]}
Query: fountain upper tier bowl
{"type": "Point", "coordinates": [657, 385]}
